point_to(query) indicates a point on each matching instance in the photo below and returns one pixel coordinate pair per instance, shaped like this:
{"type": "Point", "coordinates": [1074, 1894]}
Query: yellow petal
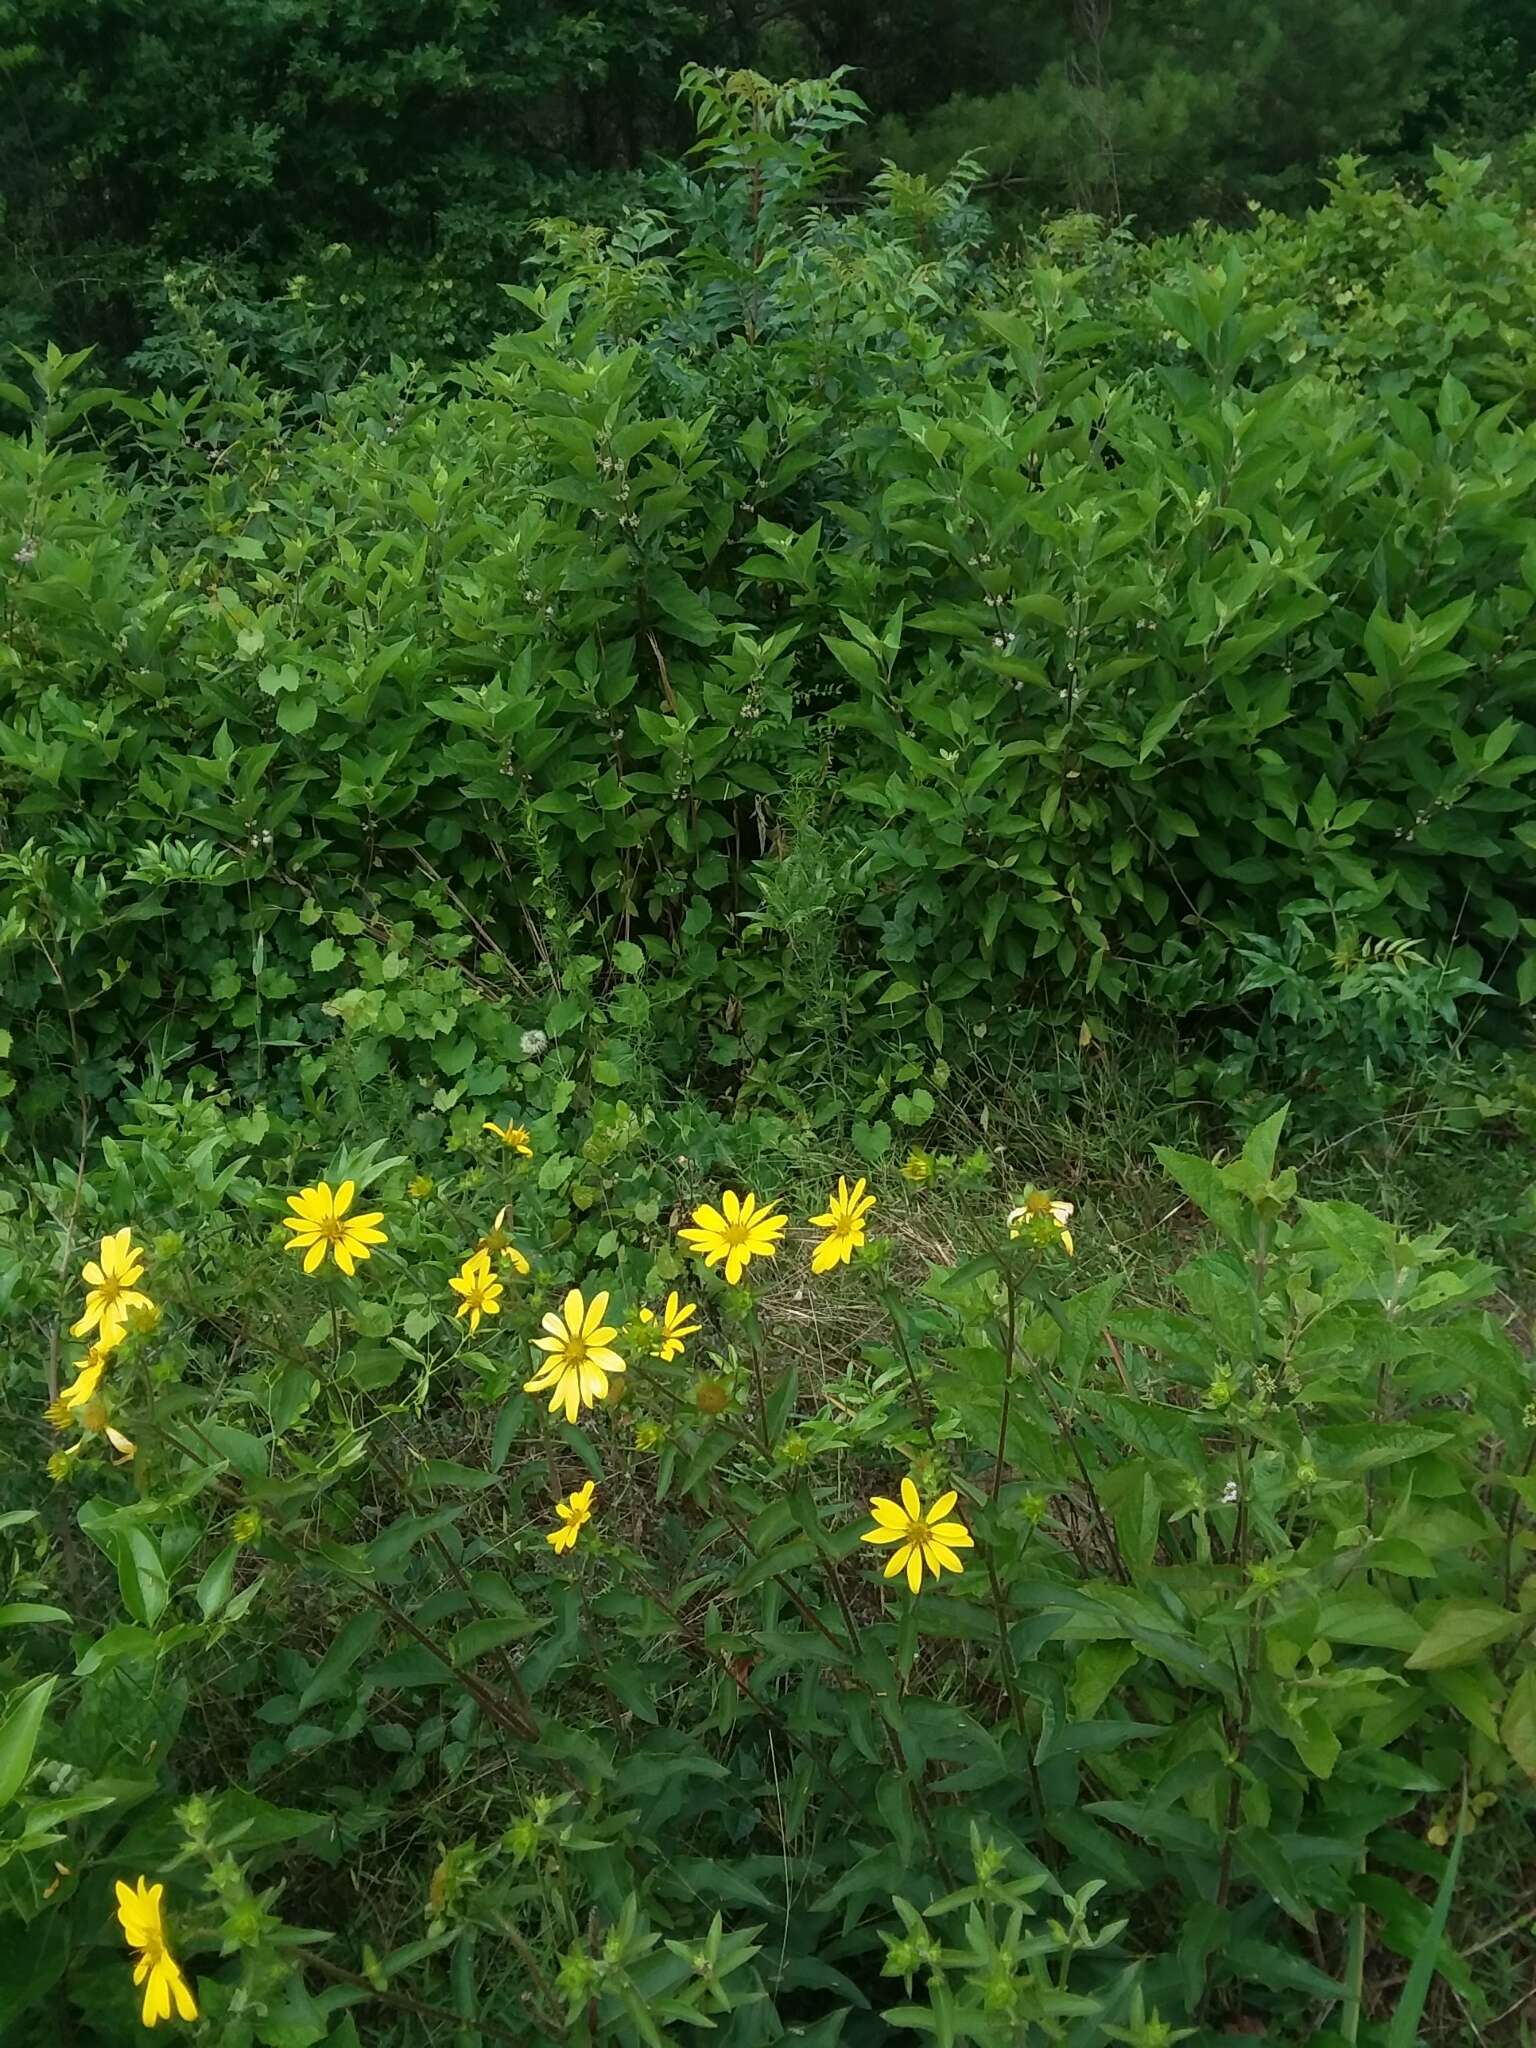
{"type": "Point", "coordinates": [898, 1561]}
{"type": "Point", "coordinates": [315, 1256]}
{"type": "Point", "coordinates": [597, 1308]}
{"type": "Point", "coordinates": [911, 1500]}
{"type": "Point", "coordinates": [879, 1535]}
{"type": "Point", "coordinates": [941, 1507]}
{"type": "Point", "coordinates": [941, 1557]}
{"type": "Point", "coordinates": [342, 1199]}
{"type": "Point", "coordinates": [915, 1569]}
{"type": "Point", "coordinates": [343, 1255]}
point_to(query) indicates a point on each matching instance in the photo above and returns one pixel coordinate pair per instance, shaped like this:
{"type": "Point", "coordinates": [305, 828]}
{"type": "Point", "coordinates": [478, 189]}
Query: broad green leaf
{"type": "Point", "coordinates": [1460, 1633]}
{"type": "Point", "coordinates": [19, 1730]}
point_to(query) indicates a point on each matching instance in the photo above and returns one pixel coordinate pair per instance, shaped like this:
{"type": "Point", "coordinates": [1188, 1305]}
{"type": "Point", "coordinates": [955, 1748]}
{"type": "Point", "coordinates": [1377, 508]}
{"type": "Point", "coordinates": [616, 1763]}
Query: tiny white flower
{"type": "Point", "coordinates": [533, 1045]}
{"type": "Point", "coordinates": [1229, 1494]}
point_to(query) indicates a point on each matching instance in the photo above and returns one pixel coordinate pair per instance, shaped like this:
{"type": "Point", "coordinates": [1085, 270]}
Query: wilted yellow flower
{"type": "Point", "coordinates": [419, 1188]}
{"type": "Point", "coordinates": [927, 1541]}
{"type": "Point", "coordinates": [246, 1526]}
{"type": "Point", "coordinates": [649, 1436]}
{"type": "Point", "coordinates": [574, 1512]}
{"type": "Point", "coordinates": [711, 1397]}
{"type": "Point", "coordinates": [320, 1224]}
{"type": "Point", "coordinates": [675, 1326]}
{"type": "Point", "coordinates": [580, 1360]}
{"type": "Point", "coordinates": [95, 1421]}
{"type": "Point", "coordinates": [843, 1220]}
{"type": "Point", "coordinates": [918, 1168]}
{"type": "Point", "coordinates": [112, 1284]}
{"type": "Point", "coordinates": [499, 1245]}
{"type": "Point", "coordinates": [746, 1230]}
{"type": "Point", "coordinates": [514, 1135]}
{"type": "Point", "coordinates": [1041, 1220]}
{"type": "Point", "coordinates": [138, 1910]}
{"type": "Point", "coordinates": [478, 1287]}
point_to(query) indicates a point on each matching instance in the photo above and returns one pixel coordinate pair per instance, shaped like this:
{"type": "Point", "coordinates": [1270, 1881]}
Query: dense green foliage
{"type": "Point", "coordinates": [796, 635]}
{"type": "Point", "coordinates": [338, 185]}
{"type": "Point", "coordinates": [720, 734]}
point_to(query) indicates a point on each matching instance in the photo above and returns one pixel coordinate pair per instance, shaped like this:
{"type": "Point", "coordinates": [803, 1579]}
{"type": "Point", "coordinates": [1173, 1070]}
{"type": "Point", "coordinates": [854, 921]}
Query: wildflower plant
{"type": "Point", "coordinates": [1002, 1599]}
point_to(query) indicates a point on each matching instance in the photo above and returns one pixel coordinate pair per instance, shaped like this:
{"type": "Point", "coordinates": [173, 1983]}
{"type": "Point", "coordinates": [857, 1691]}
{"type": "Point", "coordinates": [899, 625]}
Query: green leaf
{"type": "Point", "coordinates": [18, 1735]}
{"type": "Point", "coordinates": [24, 1613]}
{"type": "Point", "coordinates": [296, 714]}
{"type": "Point", "coordinates": [1460, 1633]}
{"type": "Point", "coordinates": [325, 955]}
{"type": "Point", "coordinates": [1517, 1728]}
{"type": "Point", "coordinates": [213, 1587]}
{"type": "Point", "coordinates": [141, 1576]}
{"type": "Point", "coordinates": [354, 1641]}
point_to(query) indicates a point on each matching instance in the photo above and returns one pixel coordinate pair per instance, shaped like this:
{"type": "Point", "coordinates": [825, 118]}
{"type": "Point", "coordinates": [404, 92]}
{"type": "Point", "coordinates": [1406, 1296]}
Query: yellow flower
{"type": "Point", "coordinates": [95, 1421]}
{"type": "Point", "coordinates": [496, 1242]}
{"type": "Point", "coordinates": [420, 1187]}
{"type": "Point", "coordinates": [81, 1389]}
{"type": "Point", "coordinates": [1041, 1221]}
{"type": "Point", "coordinates": [138, 1911]}
{"type": "Point", "coordinates": [579, 1360]}
{"type": "Point", "coordinates": [927, 1541]}
{"type": "Point", "coordinates": [514, 1135]}
{"type": "Point", "coordinates": [574, 1513]}
{"type": "Point", "coordinates": [843, 1220]}
{"type": "Point", "coordinates": [479, 1288]}
{"type": "Point", "coordinates": [675, 1326]}
{"type": "Point", "coordinates": [112, 1284]}
{"type": "Point", "coordinates": [918, 1168]}
{"type": "Point", "coordinates": [747, 1230]}
{"type": "Point", "coordinates": [320, 1224]}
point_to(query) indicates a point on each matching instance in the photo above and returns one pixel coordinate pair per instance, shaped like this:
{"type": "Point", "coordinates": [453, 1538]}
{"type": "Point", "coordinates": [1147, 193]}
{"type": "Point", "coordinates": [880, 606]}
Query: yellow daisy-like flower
{"type": "Point", "coordinates": [843, 1220]}
{"type": "Point", "coordinates": [514, 1135]}
{"type": "Point", "coordinates": [576, 1371]}
{"type": "Point", "coordinates": [112, 1289]}
{"type": "Point", "coordinates": [746, 1230]}
{"type": "Point", "coordinates": [499, 1245]}
{"type": "Point", "coordinates": [1037, 1217]}
{"type": "Point", "coordinates": [927, 1541]}
{"type": "Point", "coordinates": [138, 1911]}
{"type": "Point", "coordinates": [81, 1389]}
{"type": "Point", "coordinates": [320, 1224]}
{"type": "Point", "coordinates": [574, 1512]}
{"type": "Point", "coordinates": [675, 1326]}
{"type": "Point", "coordinates": [478, 1287]}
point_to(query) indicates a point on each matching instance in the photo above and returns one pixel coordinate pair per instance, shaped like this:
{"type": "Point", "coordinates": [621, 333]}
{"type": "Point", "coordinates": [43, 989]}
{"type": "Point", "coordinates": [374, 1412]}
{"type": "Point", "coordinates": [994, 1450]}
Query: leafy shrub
{"type": "Point", "coordinates": [492, 687]}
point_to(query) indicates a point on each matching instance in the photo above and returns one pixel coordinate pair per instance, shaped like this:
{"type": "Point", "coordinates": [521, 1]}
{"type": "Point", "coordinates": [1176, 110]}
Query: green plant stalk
{"type": "Point", "coordinates": [1011, 1686]}
{"type": "Point", "coordinates": [920, 1399]}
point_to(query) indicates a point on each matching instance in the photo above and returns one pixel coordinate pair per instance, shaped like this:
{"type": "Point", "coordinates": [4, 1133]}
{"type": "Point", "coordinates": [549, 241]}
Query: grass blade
{"type": "Point", "coordinates": [1404, 2030]}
